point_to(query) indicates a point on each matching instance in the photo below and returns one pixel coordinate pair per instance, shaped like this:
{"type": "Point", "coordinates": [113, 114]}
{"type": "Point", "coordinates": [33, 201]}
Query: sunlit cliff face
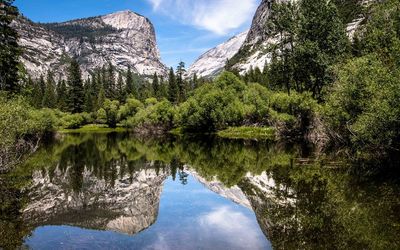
{"type": "Point", "coordinates": [129, 204]}
{"type": "Point", "coordinates": [122, 39]}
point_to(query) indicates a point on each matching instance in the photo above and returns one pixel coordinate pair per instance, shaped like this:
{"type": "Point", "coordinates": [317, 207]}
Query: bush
{"type": "Point", "coordinates": [73, 121]}
{"type": "Point", "coordinates": [364, 105]}
{"type": "Point", "coordinates": [19, 120]}
{"type": "Point", "coordinates": [230, 102]}
{"type": "Point", "coordinates": [130, 108]}
{"type": "Point", "coordinates": [257, 101]}
{"type": "Point", "coordinates": [101, 116]}
{"type": "Point", "coordinates": [20, 126]}
{"type": "Point", "coordinates": [296, 107]}
{"type": "Point", "coordinates": [150, 101]}
{"type": "Point", "coordinates": [160, 114]}
{"type": "Point", "coordinates": [111, 108]}
{"type": "Point", "coordinates": [214, 106]}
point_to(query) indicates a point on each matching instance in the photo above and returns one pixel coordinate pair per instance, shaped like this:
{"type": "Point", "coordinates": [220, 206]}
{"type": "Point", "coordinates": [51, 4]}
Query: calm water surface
{"type": "Point", "coordinates": [113, 191]}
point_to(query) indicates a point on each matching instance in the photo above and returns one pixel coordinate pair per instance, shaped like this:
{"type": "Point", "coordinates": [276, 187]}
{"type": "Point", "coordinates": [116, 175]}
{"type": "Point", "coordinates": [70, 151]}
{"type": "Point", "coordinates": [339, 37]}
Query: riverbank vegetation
{"type": "Point", "coordinates": [320, 86]}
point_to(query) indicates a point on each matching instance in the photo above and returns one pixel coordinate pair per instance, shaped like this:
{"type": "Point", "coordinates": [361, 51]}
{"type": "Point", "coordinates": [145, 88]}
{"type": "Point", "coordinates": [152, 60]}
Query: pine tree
{"type": "Point", "coordinates": [156, 86]}
{"type": "Point", "coordinates": [38, 92]}
{"type": "Point", "coordinates": [49, 98]}
{"type": "Point", "coordinates": [121, 93]}
{"type": "Point", "coordinates": [109, 82]}
{"type": "Point", "coordinates": [89, 104]}
{"type": "Point", "coordinates": [284, 23]}
{"type": "Point", "coordinates": [173, 91]}
{"type": "Point", "coordinates": [319, 45]}
{"type": "Point", "coordinates": [28, 89]}
{"type": "Point", "coordinates": [195, 81]}
{"type": "Point", "coordinates": [146, 91]}
{"type": "Point", "coordinates": [99, 78]}
{"type": "Point", "coordinates": [163, 92]}
{"type": "Point", "coordinates": [101, 98]}
{"type": "Point", "coordinates": [76, 93]}
{"type": "Point", "coordinates": [257, 77]}
{"type": "Point", "coordinates": [9, 49]}
{"type": "Point", "coordinates": [182, 85]}
{"type": "Point", "coordinates": [62, 95]}
{"type": "Point", "coordinates": [131, 89]}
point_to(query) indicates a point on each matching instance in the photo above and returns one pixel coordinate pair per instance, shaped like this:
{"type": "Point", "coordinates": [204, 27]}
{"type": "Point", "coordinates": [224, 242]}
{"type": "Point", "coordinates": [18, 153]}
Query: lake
{"type": "Point", "coordinates": [114, 191]}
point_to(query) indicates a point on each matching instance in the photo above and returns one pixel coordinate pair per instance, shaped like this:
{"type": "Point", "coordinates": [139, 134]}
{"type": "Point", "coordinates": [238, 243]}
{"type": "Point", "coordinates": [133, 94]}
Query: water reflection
{"type": "Point", "coordinates": [114, 191]}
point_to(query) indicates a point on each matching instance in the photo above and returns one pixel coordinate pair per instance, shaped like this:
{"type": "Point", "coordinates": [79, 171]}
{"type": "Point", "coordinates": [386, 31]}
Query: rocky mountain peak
{"type": "Point", "coordinates": [123, 39]}
{"type": "Point", "coordinates": [127, 19]}
{"type": "Point", "coordinates": [213, 61]}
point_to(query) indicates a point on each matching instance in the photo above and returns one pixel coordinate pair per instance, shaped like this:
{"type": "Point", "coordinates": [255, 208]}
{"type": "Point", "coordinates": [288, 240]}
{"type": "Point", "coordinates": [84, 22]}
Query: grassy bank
{"type": "Point", "coordinates": [261, 133]}
{"type": "Point", "coordinates": [93, 128]}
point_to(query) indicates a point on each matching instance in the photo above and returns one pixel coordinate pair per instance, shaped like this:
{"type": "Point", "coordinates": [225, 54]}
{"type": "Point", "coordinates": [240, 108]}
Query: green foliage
{"type": "Point", "coordinates": [156, 114]}
{"type": "Point", "coordinates": [349, 9]}
{"type": "Point", "coordinates": [76, 93]}
{"type": "Point", "coordinates": [296, 104]}
{"type": "Point", "coordinates": [312, 39]}
{"type": "Point", "coordinates": [257, 101]}
{"type": "Point", "coordinates": [214, 106]}
{"type": "Point", "coordinates": [72, 121]}
{"type": "Point", "coordinates": [150, 101]}
{"type": "Point", "coordinates": [364, 104]}
{"type": "Point", "coordinates": [230, 102]}
{"type": "Point", "coordinates": [381, 33]}
{"type": "Point", "coordinates": [18, 121]}
{"type": "Point", "coordinates": [362, 108]}
{"type": "Point", "coordinates": [62, 95]}
{"type": "Point", "coordinates": [38, 92]}
{"type": "Point", "coordinates": [131, 87]}
{"type": "Point", "coordinates": [111, 108]}
{"type": "Point", "coordinates": [9, 49]}
{"type": "Point", "coordinates": [130, 108]}
{"type": "Point", "coordinates": [49, 98]}
{"type": "Point", "coordinates": [181, 82]}
{"type": "Point", "coordinates": [109, 81]}
{"type": "Point", "coordinates": [81, 29]}
{"type": "Point", "coordinates": [262, 133]}
{"type": "Point", "coordinates": [173, 89]}
{"type": "Point", "coordinates": [101, 116]}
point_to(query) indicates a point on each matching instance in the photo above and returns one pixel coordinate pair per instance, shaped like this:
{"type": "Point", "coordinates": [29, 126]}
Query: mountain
{"type": "Point", "coordinates": [233, 193]}
{"type": "Point", "coordinates": [213, 61]}
{"type": "Point", "coordinates": [256, 52]}
{"type": "Point", "coordinates": [129, 205]}
{"type": "Point", "coordinates": [122, 39]}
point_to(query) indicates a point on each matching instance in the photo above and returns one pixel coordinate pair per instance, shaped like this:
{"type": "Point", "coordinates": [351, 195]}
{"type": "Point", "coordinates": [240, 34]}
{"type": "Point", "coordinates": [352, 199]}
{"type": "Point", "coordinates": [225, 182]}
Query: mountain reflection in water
{"type": "Point", "coordinates": [115, 191]}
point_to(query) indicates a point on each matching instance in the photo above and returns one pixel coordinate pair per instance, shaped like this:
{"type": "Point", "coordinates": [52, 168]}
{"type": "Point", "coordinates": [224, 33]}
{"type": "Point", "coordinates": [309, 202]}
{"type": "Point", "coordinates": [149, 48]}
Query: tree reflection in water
{"type": "Point", "coordinates": [306, 204]}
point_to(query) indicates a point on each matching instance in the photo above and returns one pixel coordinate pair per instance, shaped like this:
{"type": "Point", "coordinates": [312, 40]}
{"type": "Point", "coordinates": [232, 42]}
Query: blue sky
{"type": "Point", "coordinates": [185, 28]}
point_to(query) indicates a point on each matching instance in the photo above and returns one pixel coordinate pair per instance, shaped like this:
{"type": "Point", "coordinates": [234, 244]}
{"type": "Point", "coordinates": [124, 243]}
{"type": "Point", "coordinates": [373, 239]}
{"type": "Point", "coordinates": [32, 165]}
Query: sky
{"type": "Point", "coordinates": [185, 29]}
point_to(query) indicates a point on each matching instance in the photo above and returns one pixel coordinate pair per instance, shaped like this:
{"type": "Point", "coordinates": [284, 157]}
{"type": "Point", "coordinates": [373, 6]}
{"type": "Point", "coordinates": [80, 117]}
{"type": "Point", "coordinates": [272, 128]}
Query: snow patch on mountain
{"type": "Point", "coordinates": [213, 61]}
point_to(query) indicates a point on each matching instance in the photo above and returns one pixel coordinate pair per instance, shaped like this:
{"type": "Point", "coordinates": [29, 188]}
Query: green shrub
{"type": "Point", "coordinates": [262, 133]}
{"type": "Point", "coordinates": [111, 108]}
{"type": "Point", "coordinates": [159, 114]}
{"type": "Point", "coordinates": [150, 101]}
{"type": "Point", "coordinates": [257, 101]}
{"type": "Point", "coordinates": [364, 105]}
{"type": "Point", "coordinates": [130, 108]}
{"type": "Point", "coordinates": [229, 102]}
{"type": "Point", "coordinates": [73, 121]}
{"type": "Point", "coordinates": [101, 116]}
{"type": "Point", "coordinates": [18, 120]}
{"type": "Point", "coordinates": [87, 118]}
{"type": "Point", "coordinates": [214, 106]}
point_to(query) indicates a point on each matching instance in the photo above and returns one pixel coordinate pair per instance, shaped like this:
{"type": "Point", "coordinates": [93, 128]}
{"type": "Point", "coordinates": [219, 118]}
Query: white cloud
{"type": "Point", "coordinates": [218, 16]}
{"type": "Point", "coordinates": [236, 226]}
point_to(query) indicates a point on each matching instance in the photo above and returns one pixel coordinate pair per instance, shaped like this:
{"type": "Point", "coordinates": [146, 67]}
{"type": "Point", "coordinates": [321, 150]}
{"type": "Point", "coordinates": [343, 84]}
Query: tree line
{"type": "Point", "coordinates": [76, 95]}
